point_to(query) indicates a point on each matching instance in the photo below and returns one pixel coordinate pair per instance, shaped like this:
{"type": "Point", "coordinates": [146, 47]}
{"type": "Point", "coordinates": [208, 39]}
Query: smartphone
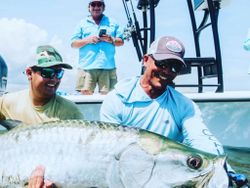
{"type": "Point", "coordinates": [102, 32]}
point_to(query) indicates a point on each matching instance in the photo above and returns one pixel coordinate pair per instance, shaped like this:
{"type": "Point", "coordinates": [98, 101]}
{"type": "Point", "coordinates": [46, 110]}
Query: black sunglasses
{"type": "Point", "coordinates": [171, 64]}
{"type": "Point", "coordinates": [49, 72]}
{"type": "Point", "coordinates": [96, 4]}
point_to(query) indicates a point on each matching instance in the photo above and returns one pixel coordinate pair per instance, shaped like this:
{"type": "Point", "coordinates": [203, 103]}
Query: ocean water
{"type": "Point", "coordinates": [239, 159]}
{"type": "Point", "coordinates": [228, 121]}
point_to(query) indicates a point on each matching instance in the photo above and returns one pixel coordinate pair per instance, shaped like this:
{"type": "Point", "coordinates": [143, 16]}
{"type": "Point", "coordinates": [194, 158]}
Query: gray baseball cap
{"type": "Point", "coordinates": [167, 47]}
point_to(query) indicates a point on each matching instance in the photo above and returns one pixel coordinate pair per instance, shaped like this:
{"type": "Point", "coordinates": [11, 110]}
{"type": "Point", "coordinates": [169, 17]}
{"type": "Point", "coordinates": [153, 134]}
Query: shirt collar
{"type": "Point", "coordinates": [131, 91]}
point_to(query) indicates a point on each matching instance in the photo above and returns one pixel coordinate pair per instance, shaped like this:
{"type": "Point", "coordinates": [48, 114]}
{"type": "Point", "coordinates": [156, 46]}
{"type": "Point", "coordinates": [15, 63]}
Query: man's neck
{"type": "Point", "coordinates": [38, 100]}
{"type": "Point", "coordinates": [151, 91]}
{"type": "Point", "coordinates": [97, 19]}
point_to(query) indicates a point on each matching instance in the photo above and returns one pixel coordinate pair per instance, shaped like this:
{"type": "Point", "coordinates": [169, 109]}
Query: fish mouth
{"type": "Point", "coordinates": [216, 173]}
{"type": "Point", "coordinates": [206, 177]}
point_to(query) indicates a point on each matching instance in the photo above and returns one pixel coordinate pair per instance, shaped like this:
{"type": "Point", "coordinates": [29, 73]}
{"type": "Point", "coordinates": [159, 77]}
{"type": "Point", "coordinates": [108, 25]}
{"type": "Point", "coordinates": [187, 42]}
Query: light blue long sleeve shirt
{"type": "Point", "coordinates": [172, 115]}
{"type": "Point", "coordinates": [102, 54]}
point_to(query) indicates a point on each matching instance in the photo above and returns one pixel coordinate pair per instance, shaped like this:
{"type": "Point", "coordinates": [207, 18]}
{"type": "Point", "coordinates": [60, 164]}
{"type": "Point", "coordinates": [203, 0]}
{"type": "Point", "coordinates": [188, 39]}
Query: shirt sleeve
{"type": "Point", "coordinates": [111, 109]}
{"type": "Point", "coordinates": [64, 109]}
{"type": "Point", "coordinates": [77, 33]}
{"type": "Point", "coordinates": [197, 135]}
{"type": "Point", "coordinates": [120, 32]}
{"type": "Point", "coordinates": [72, 112]}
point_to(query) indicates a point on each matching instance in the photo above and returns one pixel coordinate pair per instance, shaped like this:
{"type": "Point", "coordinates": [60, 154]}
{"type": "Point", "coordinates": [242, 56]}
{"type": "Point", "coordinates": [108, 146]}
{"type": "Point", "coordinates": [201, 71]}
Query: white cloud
{"type": "Point", "coordinates": [19, 40]}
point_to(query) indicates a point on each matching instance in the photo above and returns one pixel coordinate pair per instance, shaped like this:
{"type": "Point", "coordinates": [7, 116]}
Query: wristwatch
{"type": "Point", "coordinates": [113, 41]}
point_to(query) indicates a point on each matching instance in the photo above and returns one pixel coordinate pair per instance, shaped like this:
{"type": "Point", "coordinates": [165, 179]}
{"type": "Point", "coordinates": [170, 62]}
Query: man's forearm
{"type": "Point", "coordinates": [117, 41]}
{"type": "Point", "coordinates": [79, 43]}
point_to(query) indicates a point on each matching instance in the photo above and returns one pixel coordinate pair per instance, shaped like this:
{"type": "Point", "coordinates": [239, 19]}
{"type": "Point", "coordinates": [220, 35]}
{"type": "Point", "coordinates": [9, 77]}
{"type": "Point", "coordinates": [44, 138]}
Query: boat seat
{"type": "Point", "coordinates": [206, 64]}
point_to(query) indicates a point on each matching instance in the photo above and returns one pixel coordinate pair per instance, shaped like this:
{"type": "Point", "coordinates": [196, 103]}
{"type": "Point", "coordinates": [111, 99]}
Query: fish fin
{"type": "Point", "coordinates": [10, 124]}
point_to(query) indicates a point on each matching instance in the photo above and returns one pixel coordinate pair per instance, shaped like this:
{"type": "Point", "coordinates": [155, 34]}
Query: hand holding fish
{"type": "Point", "coordinates": [37, 179]}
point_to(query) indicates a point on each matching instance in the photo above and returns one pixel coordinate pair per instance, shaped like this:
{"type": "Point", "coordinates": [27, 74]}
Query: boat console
{"type": "Point", "coordinates": [143, 36]}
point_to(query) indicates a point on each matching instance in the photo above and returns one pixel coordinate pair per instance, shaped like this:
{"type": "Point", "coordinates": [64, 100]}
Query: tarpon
{"type": "Point", "coordinates": [79, 153]}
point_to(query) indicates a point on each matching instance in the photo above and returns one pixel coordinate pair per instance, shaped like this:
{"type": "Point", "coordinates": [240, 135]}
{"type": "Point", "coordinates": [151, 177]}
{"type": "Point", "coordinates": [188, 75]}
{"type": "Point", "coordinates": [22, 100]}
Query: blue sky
{"type": "Point", "coordinates": [26, 24]}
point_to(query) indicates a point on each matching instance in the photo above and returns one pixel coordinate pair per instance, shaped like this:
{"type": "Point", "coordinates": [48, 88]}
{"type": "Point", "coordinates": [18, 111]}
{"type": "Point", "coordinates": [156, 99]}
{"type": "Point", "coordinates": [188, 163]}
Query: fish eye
{"type": "Point", "coordinates": [194, 162]}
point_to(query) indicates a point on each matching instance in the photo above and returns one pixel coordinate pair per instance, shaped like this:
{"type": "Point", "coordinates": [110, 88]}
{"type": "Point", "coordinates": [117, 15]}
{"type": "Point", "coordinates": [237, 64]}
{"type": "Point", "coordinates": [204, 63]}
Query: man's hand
{"type": "Point", "coordinates": [107, 38]}
{"type": "Point", "coordinates": [37, 179]}
{"type": "Point", "coordinates": [93, 39]}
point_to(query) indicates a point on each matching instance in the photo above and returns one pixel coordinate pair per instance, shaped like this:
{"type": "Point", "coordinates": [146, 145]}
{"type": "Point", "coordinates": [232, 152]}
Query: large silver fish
{"type": "Point", "coordinates": [81, 154]}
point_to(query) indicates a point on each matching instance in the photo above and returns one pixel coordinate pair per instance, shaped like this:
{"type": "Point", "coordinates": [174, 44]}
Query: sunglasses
{"type": "Point", "coordinates": [49, 72]}
{"type": "Point", "coordinates": [96, 4]}
{"type": "Point", "coordinates": [170, 64]}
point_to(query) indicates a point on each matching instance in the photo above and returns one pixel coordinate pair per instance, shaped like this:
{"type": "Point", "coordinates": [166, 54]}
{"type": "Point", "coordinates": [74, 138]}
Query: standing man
{"type": "Point", "coordinates": [40, 103]}
{"type": "Point", "coordinates": [96, 36]}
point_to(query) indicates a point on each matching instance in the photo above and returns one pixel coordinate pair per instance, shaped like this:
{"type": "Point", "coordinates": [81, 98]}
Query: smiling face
{"type": "Point", "coordinates": [156, 78]}
{"type": "Point", "coordinates": [42, 89]}
{"type": "Point", "coordinates": [96, 9]}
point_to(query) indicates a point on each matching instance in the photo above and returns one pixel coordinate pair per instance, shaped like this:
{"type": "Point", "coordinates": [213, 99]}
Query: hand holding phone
{"type": "Point", "coordinates": [102, 32]}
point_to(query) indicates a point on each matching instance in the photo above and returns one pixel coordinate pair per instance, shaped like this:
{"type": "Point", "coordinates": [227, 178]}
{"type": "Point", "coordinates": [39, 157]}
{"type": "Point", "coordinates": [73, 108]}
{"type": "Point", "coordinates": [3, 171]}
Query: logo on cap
{"type": "Point", "coordinates": [44, 54]}
{"type": "Point", "coordinates": [174, 46]}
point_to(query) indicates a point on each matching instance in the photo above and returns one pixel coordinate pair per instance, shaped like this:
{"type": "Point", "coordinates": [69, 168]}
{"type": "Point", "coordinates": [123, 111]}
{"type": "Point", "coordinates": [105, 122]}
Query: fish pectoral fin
{"type": "Point", "coordinates": [10, 124]}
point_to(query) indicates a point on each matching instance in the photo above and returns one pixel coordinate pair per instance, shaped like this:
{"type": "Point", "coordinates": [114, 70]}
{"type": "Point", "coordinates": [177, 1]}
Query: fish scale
{"type": "Point", "coordinates": [79, 153]}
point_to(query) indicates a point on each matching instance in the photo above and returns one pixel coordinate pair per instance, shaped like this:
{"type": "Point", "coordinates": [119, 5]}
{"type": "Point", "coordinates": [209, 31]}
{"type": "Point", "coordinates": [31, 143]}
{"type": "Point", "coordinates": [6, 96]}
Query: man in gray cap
{"type": "Point", "coordinates": [150, 102]}
{"type": "Point", "coordinates": [40, 103]}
